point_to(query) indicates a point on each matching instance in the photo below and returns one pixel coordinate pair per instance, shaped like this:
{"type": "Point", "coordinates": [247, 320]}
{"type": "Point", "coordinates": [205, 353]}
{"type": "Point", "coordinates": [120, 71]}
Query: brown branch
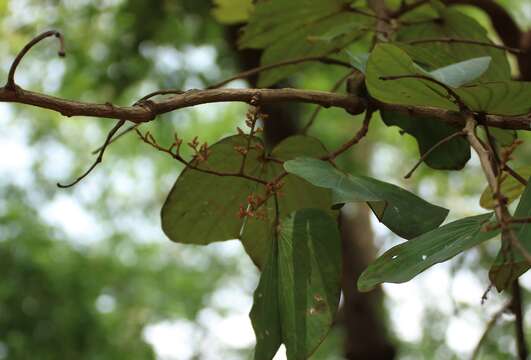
{"type": "Point", "coordinates": [516, 307]}
{"type": "Point", "coordinates": [256, 70]}
{"type": "Point", "coordinates": [355, 139]}
{"type": "Point", "coordinates": [252, 118]}
{"type": "Point", "coordinates": [465, 41]}
{"type": "Point", "coordinates": [383, 25]}
{"type": "Point", "coordinates": [523, 220]}
{"type": "Point", "coordinates": [148, 110]}
{"type": "Point", "coordinates": [453, 117]}
{"type": "Point", "coordinates": [10, 84]}
{"type": "Point", "coordinates": [99, 158]}
{"type": "Point", "coordinates": [502, 213]}
{"type": "Point", "coordinates": [514, 174]}
{"type": "Point", "coordinates": [430, 150]}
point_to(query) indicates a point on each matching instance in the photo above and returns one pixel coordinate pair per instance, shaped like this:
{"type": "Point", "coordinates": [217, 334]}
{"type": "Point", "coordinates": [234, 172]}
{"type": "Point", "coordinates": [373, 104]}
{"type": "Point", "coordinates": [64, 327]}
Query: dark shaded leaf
{"type": "Point", "coordinates": [452, 155]}
{"type": "Point", "coordinates": [404, 213]}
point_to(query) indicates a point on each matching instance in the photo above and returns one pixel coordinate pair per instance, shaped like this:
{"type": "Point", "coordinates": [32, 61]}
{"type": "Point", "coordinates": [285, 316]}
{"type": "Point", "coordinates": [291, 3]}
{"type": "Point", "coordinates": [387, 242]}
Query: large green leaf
{"type": "Point", "coordinates": [509, 187]}
{"type": "Point", "coordinates": [404, 213]}
{"type": "Point", "coordinates": [451, 155]}
{"type": "Point", "coordinates": [203, 208]}
{"type": "Point", "coordinates": [510, 263]}
{"type": "Point", "coordinates": [452, 24]}
{"type": "Point", "coordinates": [405, 261]}
{"type": "Point", "coordinates": [390, 60]}
{"type": "Point", "coordinates": [299, 290]}
{"type": "Point", "coordinates": [494, 97]}
{"type": "Point", "coordinates": [298, 28]}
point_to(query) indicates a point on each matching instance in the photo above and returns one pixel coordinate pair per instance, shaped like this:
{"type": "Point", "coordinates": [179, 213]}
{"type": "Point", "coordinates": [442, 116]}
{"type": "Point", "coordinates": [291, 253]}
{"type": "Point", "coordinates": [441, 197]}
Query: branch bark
{"type": "Point", "coordinates": [145, 111]}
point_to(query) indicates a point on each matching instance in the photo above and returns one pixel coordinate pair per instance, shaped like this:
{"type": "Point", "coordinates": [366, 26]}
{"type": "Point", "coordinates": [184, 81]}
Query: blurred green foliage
{"type": "Point", "coordinates": [92, 297]}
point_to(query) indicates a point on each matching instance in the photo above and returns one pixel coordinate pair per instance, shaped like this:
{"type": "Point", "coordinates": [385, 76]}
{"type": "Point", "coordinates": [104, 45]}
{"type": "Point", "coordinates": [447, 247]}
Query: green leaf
{"type": "Point", "coordinates": [203, 208]}
{"type": "Point", "coordinates": [232, 11]}
{"type": "Point", "coordinates": [452, 155]}
{"type": "Point", "coordinates": [390, 60]}
{"type": "Point", "coordinates": [510, 263]}
{"type": "Point", "coordinates": [405, 261]}
{"type": "Point", "coordinates": [509, 187]}
{"type": "Point", "coordinates": [295, 194]}
{"type": "Point", "coordinates": [265, 313]}
{"type": "Point", "coordinates": [299, 290]}
{"type": "Point", "coordinates": [452, 24]}
{"type": "Point", "coordinates": [299, 28]}
{"type": "Point", "coordinates": [508, 98]}
{"type": "Point", "coordinates": [461, 73]}
{"type": "Point", "coordinates": [404, 213]}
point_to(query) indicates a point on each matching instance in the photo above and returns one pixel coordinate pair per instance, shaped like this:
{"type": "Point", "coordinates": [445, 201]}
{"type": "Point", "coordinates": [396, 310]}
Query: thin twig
{"type": "Point", "coordinates": [430, 150]}
{"type": "Point", "coordinates": [252, 118]}
{"type": "Point", "coordinates": [490, 325]}
{"type": "Point", "coordinates": [99, 158]}
{"type": "Point", "coordinates": [405, 8]}
{"type": "Point", "coordinates": [190, 165]}
{"type": "Point", "coordinates": [318, 109]}
{"type": "Point", "coordinates": [10, 84]}
{"type": "Point", "coordinates": [119, 135]}
{"type": "Point", "coordinates": [522, 220]}
{"type": "Point", "coordinates": [466, 41]}
{"type": "Point", "coordinates": [368, 14]}
{"type": "Point", "coordinates": [355, 139]}
{"type": "Point", "coordinates": [142, 99]}
{"type": "Point", "coordinates": [485, 295]}
{"type": "Point", "coordinates": [160, 92]}
{"type": "Point", "coordinates": [514, 174]}
{"type": "Point", "coordinates": [502, 213]}
{"type": "Point", "coordinates": [256, 70]}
